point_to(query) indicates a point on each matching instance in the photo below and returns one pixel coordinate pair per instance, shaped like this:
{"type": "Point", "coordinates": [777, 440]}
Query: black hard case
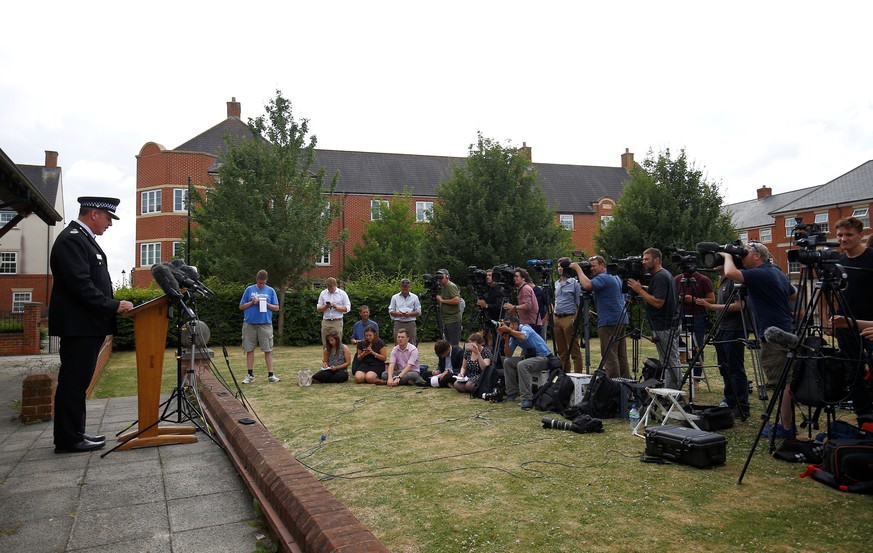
{"type": "Point", "coordinates": [687, 446]}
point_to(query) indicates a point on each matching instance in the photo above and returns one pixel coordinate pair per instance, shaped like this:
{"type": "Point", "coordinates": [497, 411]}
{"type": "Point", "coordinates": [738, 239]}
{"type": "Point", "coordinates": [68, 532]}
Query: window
{"type": "Point", "coordinates": [8, 263]}
{"type": "Point", "coordinates": [19, 299]}
{"type": "Point", "coordinates": [766, 235]}
{"type": "Point", "coordinates": [149, 254]}
{"type": "Point", "coordinates": [376, 208]}
{"type": "Point", "coordinates": [863, 213]}
{"type": "Point", "coordinates": [423, 212]}
{"type": "Point", "coordinates": [744, 237]}
{"type": "Point", "coordinates": [177, 250]}
{"type": "Point", "coordinates": [151, 202]}
{"type": "Point", "coordinates": [180, 199]}
{"type": "Point", "coordinates": [325, 256]}
{"type": "Point", "coordinates": [604, 220]}
{"type": "Point", "coordinates": [567, 220]}
{"type": "Point", "coordinates": [822, 219]}
{"type": "Point", "coordinates": [6, 216]}
{"type": "Point", "coordinates": [790, 223]}
{"type": "Point", "coordinates": [793, 267]}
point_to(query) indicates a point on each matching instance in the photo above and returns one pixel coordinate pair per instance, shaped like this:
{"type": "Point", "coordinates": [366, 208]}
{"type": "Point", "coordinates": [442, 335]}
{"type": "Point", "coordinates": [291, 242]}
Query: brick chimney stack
{"type": "Point", "coordinates": [627, 160]}
{"type": "Point", "coordinates": [764, 191]}
{"type": "Point", "coordinates": [51, 159]}
{"type": "Point", "coordinates": [526, 152]}
{"type": "Point", "coordinates": [234, 110]}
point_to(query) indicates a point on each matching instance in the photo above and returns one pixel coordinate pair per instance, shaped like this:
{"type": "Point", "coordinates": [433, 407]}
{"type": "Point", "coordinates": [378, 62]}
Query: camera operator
{"type": "Point", "coordinates": [404, 309]}
{"type": "Point", "coordinates": [661, 302]}
{"type": "Point", "coordinates": [449, 298]}
{"type": "Point", "coordinates": [527, 309]}
{"type": "Point", "coordinates": [518, 371]}
{"type": "Point", "coordinates": [491, 303]}
{"type": "Point", "coordinates": [609, 303]}
{"type": "Point", "coordinates": [568, 294]}
{"type": "Point", "coordinates": [689, 287]}
{"type": "Point", "coordinates": [857, 260]}
{"type": "Point", "coordinates": [770, 296]}
{"type": "Point", "coordinates": [729, 345]}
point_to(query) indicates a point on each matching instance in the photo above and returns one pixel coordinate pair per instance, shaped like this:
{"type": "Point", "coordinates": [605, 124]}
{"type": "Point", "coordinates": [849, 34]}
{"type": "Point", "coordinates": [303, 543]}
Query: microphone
{"type": "Point", "coordinates": [189, 278]}
{"type": "Point", "coordinates": [778, 336]}
{"type": "Point", "coordinates": [707, 247]}
{"type": "Point", "coordinates": [166, 281]}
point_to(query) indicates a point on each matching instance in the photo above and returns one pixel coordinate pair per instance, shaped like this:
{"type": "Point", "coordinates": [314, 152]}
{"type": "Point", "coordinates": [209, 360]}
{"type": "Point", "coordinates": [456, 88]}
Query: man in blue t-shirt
{"type": "Point", "coordinates": [770, 296]}
{"type": "Point", "coordinates": [258, 303]}
{"type": "Point", "coordinates": [519, 371]}
{"type": "Point", "coordinates": [660, 298]}
{"type": "Point", "coordinates": [361, 326]}
{"type": "Point", "coordinates": [611, 316]}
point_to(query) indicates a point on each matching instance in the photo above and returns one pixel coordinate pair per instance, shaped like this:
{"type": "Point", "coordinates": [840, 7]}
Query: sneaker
{"type": "Point", "coordinates": [526, 405]}
{"type": "Point", "coordinates": [511, 397]}
{"type": "Point", "coordinates": [273, 378]}
{"type": "Point", "coordinates": [781, 432]}
{"type": "Point", "coordinates": [249, 379]}
{"type": "Point", "coordinates": [723, 403]}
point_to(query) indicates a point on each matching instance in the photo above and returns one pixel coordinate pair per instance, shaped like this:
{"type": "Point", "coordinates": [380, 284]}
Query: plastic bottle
{"type": "Point", "coordinates": [633, 416]}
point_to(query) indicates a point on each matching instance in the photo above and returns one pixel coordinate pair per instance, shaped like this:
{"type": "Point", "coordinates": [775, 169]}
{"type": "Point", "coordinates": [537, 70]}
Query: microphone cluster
{"type": "Point", "coordinates": [173, 276]}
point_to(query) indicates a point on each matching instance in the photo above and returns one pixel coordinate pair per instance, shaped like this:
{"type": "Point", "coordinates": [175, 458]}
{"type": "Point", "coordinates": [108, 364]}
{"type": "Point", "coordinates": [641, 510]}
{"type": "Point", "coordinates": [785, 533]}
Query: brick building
{"type": "Point", "coordinates": [582, 196]}
{"type": "Point", "coordinates": [28, 217]}
{"type": "Point", "coordinates": [770, 218]}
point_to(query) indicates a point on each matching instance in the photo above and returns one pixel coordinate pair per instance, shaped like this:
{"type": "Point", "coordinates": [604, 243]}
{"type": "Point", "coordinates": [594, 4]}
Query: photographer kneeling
{"type": "Point", "coordinates": [518, 371]}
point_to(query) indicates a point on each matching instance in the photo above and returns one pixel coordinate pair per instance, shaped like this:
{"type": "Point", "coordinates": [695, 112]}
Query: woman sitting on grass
{"type": "Point", "coordinates": [476, 358]}
{"type": "Point", "coordinates": [370, 359]}
{"type": "Point", "coordinates": [335, 364]}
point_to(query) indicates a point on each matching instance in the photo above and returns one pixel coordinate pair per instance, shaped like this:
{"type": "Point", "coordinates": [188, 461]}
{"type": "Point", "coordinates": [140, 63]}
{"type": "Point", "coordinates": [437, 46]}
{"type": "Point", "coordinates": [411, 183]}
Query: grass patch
{"type": "Point", "coordinates": [432, 470]}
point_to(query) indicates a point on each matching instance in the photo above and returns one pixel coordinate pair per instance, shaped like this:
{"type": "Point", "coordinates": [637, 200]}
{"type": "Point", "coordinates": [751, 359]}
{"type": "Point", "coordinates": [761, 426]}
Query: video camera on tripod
{"type": "Point", "coordinates": [709, 253]}
{"type": "Point", "coordinates": [825, 261]}
{"type": "Point", "coordinates": [684, 259]}
{"type": "Point", "coordinates": [504, 275]}
{"type": "Point", "coordinates": [478, 281]}
{"type": "Point", "coordinates": [627, 268]}
{"type": "Point", "coordinates": [432, 284]}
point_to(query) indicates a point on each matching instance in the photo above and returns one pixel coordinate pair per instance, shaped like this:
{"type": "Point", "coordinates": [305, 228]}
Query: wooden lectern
{"type": "Point", "coordinates": [150, 324]}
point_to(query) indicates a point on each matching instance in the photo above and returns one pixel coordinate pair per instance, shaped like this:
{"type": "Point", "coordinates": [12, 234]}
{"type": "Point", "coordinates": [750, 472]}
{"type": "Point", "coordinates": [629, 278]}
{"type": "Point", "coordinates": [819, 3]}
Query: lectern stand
{"type": "Point", "coordinates": [150, 324]}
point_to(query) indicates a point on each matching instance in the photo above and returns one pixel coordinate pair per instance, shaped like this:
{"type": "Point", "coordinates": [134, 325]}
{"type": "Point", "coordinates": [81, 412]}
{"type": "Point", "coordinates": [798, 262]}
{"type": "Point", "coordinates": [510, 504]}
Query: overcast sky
{"type": "Point", "coordinates": [758, 93]}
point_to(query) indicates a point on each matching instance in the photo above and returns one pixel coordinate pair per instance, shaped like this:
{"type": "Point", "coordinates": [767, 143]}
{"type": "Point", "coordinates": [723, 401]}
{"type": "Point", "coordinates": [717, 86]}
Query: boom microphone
{"type": "Point", "coordinates": [778, 336]}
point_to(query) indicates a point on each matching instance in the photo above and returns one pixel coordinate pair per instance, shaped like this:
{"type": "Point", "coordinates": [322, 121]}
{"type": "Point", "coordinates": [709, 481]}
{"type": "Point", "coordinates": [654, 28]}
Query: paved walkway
{"type": "Point", "coordinates": [177, 498]}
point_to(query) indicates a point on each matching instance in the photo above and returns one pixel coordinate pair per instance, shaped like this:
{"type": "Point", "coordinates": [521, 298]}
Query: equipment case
{"type": "Point", "coordinates": [687, 446]}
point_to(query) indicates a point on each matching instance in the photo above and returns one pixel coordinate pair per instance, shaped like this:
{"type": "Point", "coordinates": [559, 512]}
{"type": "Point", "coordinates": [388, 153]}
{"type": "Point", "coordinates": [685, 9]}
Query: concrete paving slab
{"type": "Point", "coordinates": [125, 491]}
{"type": "Point", "coordinates": [103, 472]}
{"type": "Point", "coordinates": [207, 477]}
{"type": "Point", "coordinates": [210, 510]}
{"type": "Point", "coordinates": [46, 535]}
{"type": "Point", "coordinates": [68, 462]}
{"type": "Point", "coordinates": [153, 544]}
{"type": "Point", "coordinates": [34, 507]}
{"type": "Point", "coordinates": [230, 538]}
{"type": "Point", "coordinates": [118, 525]}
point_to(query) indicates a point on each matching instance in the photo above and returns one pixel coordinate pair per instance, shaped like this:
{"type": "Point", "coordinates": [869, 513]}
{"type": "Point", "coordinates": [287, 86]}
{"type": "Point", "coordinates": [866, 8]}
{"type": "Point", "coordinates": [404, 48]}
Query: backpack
{"type": "Point", "coordinates": [555, 394]}
{"type": "Point", "coordinates": [847, 466]}
{"type": "Point", "coordinates": [490, 382]}
{"type": "Point", "coordinates": [602, 398]}
{"type": "Point", "coordinates": [542, 301]}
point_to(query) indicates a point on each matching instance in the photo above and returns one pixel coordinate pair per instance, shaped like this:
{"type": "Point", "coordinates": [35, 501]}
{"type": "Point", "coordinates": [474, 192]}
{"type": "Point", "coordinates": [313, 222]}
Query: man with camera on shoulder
{"type": "Point", "coordinates": [518, 371]}
{"type": "Point", "coordinates": [449, 299]}
{"type": "Point", "coordinates": [491, 304]}
{"type": "Point", "coordinates": [660, 298]}
{"type": "Point", "coordinates": [609, 303]}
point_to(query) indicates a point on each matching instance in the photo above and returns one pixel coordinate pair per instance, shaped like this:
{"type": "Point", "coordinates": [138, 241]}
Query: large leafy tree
{"type": "Point", "coordinates": [667, 202]}
{"type": "Point", "coordinates": [269, 208]}
{"type": "Point", "coordinates": [390, 245]}
{"type": "Point", "coordinates": [492, 210]}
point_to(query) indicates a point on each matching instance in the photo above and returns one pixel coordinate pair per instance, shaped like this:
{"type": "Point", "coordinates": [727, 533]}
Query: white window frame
{"type": "Point", "coordinates": [566, 221]}
{"type": "Point", "coordinates": [862, 213]}
{"type": "Point", "coordinates": [423, 212]}
{"type": "Point", "coordinates": [19, 299]}
{"type": "Point", "coordinates": [376, 207]}
{"type": "Point", "coordinates": [180, 200]}
{"type": "Point", "coordinates": [744, 237]}
{"type": "Point", "coordinates": [605, 220]}
{"type": "Point", "coordinates": [6, 216]}
{"type": "Point", "coordinates": [8, 263]}
{"type": "Point", "coordinates": [149, 253]}
{"type": "Point", "coordinates": [793, 267]}
{"type": "Point", "coordinates": [324, 260]}
{"type": "Point", "coordinates": [150, 202]}
{"type": "Point", "coordinates": [822, 219]}
{"type": "Point", "coordinates": [789, 228]}
{"type": "Point", "coordinates": [765, 235]}
{"type": "Point", "coordinates": [177, 250]}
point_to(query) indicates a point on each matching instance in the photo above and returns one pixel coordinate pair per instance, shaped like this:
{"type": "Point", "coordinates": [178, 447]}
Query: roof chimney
{"type": "Point", "coordinates": [234, 110]}
{"type": "Point", "coordinates": [526, 152]}
{"type": "Point", "coordinates": [627, 160]}
{"type": "Point", "coordinates": [51, 159]}
{"type": "Point", "coordinates": [764, 191]}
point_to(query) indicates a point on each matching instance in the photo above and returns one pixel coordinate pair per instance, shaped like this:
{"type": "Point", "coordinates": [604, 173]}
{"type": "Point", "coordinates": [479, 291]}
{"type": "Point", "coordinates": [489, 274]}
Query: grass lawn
{"type": "Point", "coordinates": [431, 470]}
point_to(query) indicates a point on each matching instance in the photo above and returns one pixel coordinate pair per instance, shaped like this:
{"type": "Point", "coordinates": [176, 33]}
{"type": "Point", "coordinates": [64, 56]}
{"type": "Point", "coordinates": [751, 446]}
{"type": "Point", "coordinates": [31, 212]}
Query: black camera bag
{"type": "Point", "coordinates": [847, 466]}
{"type": "Point", "coordinates": [555, 394]}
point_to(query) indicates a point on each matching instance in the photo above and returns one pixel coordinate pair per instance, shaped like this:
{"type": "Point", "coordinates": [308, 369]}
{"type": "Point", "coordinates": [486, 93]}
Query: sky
{"type": "Point", "coordinates": [757, 93]}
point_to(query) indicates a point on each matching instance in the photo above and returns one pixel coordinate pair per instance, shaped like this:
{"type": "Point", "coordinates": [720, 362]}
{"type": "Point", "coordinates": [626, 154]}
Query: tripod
{"type": "Point", "coordinates": [826, 294]}
{"type": "Point", "coordinates": [583, 323]}
{"type": "Point", "coordinates": [689, 287]}
{"type": "Point", "coordinates": [434, 307]}
{"type": "Point", "coordinates": [631, 311]}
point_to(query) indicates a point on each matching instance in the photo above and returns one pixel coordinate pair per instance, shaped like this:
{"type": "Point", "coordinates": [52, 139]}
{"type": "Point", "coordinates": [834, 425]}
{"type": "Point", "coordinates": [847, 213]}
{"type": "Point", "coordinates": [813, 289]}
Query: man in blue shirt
{"type": "Point", "coordinates": [611, 316]}
{"type": "Point", "coordinates": [519, 371]}
{"type": "Point", "coordinates": [258, 303]}
{"type": "Point", "coordinates": [568, 294]}
{"type": "Point", "coordinates": [360, 326]}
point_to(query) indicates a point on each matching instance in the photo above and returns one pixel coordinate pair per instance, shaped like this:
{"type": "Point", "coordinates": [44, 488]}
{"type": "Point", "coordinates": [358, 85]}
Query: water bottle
{"type": "Point", "coordinates": [633, 416]}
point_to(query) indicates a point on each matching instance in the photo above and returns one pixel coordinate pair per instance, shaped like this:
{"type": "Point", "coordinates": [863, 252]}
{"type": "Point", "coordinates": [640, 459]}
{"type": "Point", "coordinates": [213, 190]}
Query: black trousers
{"type": "Point", "coordinates": [78, 360]}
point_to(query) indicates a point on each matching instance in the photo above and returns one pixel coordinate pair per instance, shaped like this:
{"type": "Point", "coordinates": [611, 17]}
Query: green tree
{"type": "Point", "coordinates": [666, 202]}
{"type": "Point", "coordinates": [390, 245]}
{"type": "Point", "coordinates": [269, 208]}
{"type": "Point", "coordinates": [491, 211]}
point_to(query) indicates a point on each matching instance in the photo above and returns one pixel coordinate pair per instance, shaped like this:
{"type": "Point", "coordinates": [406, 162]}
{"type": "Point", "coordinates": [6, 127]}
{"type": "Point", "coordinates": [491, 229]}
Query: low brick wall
{"type": "Point", "coordinates": [37, 398]}
{"type": "Point", "coordinates": [303, 507]}
{"type": "Point", "coordinates": [27, 341]}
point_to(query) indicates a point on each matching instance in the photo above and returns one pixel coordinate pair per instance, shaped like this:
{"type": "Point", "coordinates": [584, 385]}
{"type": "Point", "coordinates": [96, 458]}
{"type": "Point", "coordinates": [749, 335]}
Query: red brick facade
{"type": "Point", "coordinates": [39, 286]}
{"type": "Point", "coordinates": [27, 341]}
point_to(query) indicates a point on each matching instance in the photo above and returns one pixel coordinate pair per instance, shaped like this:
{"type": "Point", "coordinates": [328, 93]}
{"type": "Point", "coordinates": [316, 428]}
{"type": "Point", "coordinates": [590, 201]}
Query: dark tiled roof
{"type": "Point", "coordinates": [574, 188]}
{"type": "Point", "coordinates": [45, 179]}
{"type": "Point", "coordinates": [212, 141]}
{"type": "Point", "coordinates": [756, 213]}
{"type": "Point", "coordinates": [854, 186]}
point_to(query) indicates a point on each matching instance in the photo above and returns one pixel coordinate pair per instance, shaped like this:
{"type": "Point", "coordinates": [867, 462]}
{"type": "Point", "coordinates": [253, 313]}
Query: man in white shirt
{"type": "Point", "coordinates": [333, 302]}
{"type": "Point", "coordinates": [404, 310]}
